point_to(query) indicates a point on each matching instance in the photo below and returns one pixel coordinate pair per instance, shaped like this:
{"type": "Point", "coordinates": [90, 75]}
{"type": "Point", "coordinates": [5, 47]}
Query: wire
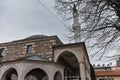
{"type": "Point", "coordinates": [51, 13]}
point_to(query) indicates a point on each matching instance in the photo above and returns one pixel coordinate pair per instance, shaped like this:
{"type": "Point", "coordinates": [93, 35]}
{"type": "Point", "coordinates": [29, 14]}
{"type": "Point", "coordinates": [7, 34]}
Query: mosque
{"type": "Point", "coordinates": [41, 57]}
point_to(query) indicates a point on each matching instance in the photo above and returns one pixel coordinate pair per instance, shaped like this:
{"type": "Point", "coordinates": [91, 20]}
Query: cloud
{"type": "Point", "coordinates": [19, 18]}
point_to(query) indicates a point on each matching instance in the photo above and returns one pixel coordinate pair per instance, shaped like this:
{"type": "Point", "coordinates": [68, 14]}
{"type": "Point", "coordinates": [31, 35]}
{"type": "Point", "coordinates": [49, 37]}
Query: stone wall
{"type": "Point", "coordinates": [17, 49]}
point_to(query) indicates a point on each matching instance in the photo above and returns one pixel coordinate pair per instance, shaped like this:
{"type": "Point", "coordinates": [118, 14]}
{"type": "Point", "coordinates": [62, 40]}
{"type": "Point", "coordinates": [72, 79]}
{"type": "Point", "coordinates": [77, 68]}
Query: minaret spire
{"type": "Point", "coordinates": [76, 25]}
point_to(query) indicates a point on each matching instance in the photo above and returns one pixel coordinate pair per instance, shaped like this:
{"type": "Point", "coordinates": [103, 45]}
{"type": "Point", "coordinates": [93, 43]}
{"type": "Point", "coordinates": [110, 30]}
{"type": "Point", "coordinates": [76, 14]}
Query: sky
{"type": "Point", "coordinates": [22, 18]}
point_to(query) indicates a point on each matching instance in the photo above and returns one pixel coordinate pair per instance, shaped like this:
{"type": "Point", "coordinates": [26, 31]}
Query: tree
{"type": "Point", "coordinates": [99, 19]}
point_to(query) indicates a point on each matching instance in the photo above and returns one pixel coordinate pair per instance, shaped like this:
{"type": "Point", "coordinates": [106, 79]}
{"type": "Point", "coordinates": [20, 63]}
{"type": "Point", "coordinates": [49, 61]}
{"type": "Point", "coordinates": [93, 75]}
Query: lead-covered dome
{"type": "Point", "coordinates": [36, 36]}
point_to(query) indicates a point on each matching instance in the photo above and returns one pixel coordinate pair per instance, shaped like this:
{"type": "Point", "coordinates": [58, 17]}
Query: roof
{"type": "Point", "coordinates": [35, 58]}
{"type": "Point", "coordinates": [33, 38]}
{"type": "Point", "coordinates": [102, 67]}
{"type": "Point", "coordinates": [70, 44]}
{"type": "Point", "coordinates": [31, 59]}
{"type": "Point", "coordinates": [36, 36]}
{"type": "Point", "coordinates": [108, 73]}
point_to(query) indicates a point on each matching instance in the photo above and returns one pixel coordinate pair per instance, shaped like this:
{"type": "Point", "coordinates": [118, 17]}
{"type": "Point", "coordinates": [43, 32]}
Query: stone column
{"type": "Point", "coordinates": [51, 76]}
{"type": "Point", "coordinates": [21, 71]}
{"type": "Point", "coordinates": [82, 70]}
{"type": "Point", "coordinates": [20, 76]}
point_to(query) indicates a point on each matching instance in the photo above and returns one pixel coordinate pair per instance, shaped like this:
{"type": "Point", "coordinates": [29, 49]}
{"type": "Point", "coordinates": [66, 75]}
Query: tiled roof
{"type": "Point", "coordinates": [108, 73]}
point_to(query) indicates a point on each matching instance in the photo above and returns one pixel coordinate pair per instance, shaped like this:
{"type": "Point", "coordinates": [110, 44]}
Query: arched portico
{"type": "Point", "coordinates": [70, 62]}
{"type": "Point", "coordinates": [10, 74]}
{"type": "Point", "coordinates": [30, 70]}
{"type": "Point", "coordinates": [71, 56]}
{"type": "Point", "coordinates": [77, 54]}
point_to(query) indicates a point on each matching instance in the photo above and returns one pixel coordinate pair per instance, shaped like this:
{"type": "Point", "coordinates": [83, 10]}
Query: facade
{"type": "Point", "coordinates": [41, 57]}
{"type": "Point", "coordinates": [108, 72]}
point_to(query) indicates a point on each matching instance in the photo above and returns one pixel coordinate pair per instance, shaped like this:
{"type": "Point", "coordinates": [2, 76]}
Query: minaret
{"type": "Point", "coordinates": [76, 25]}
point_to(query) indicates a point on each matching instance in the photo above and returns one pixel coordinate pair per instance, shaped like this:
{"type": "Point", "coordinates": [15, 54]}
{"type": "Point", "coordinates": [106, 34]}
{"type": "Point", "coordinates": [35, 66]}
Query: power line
{"type": "Point", "coordinates": [51, 13]}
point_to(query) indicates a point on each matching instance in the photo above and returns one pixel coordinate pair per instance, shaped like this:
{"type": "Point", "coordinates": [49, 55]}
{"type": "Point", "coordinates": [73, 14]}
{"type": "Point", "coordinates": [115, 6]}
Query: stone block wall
{"type": "Point", "coordinates": [18, 49]}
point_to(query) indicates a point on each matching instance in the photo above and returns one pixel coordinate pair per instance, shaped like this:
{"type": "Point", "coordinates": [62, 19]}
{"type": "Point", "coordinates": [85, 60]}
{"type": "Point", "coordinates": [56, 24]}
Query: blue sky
{"type": "Point", "coordinates": [23, 18]}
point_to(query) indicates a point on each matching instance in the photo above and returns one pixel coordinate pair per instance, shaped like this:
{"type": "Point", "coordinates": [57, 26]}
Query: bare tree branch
{"type": "Point", "coordinates": [99, 19]}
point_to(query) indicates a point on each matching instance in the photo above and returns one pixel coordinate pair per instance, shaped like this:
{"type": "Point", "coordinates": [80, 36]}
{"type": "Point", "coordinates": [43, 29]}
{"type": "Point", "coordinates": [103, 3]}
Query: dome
{"type": "Point", "coordinates": [36, 36]}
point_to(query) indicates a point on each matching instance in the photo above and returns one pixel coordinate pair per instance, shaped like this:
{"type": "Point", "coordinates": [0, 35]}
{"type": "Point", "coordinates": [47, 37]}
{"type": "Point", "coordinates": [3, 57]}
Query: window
{"type": "Point", "coordinates": [2, 51]}
{"type": "Point", "coordinates": [29, 48]}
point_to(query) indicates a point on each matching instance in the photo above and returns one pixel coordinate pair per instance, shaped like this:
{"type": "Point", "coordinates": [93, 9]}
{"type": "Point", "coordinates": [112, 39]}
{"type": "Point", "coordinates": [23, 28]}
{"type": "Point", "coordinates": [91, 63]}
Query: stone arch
{"type": "Point", "coordinates": [58, 76]}
{"type": "Point", "coordinates": [32, 66]}
{"type": "Point", "coordinates": [70, 61]}
{"type": "Point", "coordinates": [75, 53]}
{"type": "Point", "coordinates": [10, 74]}
{"type": "Point", "coordinates": [36, 74]}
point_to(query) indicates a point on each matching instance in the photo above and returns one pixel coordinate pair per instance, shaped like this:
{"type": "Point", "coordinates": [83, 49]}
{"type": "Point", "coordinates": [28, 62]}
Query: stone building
{"type": "Point", "coordinates": [108, 72]}
{"type": "Point", "coordinates": [41, 57]}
